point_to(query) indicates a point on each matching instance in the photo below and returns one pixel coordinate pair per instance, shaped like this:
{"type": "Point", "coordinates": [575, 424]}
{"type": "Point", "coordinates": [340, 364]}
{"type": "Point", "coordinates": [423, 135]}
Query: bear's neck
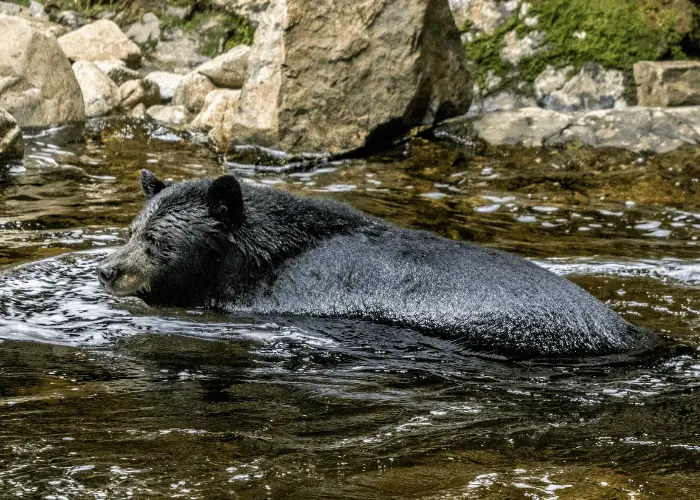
{"type": "Point", "coordinates": [279, 226]}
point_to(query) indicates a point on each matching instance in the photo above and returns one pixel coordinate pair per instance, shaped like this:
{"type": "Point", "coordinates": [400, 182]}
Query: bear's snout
{"type": "Point", "coordinates": [106, 274]}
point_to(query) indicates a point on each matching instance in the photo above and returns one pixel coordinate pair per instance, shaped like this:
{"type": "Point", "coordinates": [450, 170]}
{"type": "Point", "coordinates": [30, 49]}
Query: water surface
{"type": "Point", "coordinates": [106, 398]}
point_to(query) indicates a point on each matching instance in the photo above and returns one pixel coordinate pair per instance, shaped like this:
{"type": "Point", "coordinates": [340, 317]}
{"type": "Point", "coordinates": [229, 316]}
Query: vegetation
{"type": "Point", "coordinates": [617, 34]}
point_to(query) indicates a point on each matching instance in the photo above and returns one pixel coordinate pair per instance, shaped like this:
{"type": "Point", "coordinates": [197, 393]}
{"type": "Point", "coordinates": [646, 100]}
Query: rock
{"type": "Point", "coordinates": [638, 129]}
{"type": "Point", "coordinates": [667, 83]}
{"type": "Point", "coordinates": [592, 88]}
{"type": "Point", "coordinates": [229, 69]}
{"type": "Point", "coordinates": [192, 91]}
{"type": "Point", "coordinates": [69, 18]}
{"type": "Point", "coordinates": [135, 92]}
{"type": "Point", "coordinates": [551, 79]}
{"type": "Point", "coordinates": [100, 41]}
{"type": "Point", "coordinates": [10, 9]}
{"type": "Point", "coordinates": [505, 100]}
{"type": "Point", "coordinates": [253, 10]}
{"type": "Point", "coordinates": [219, 106]}
{"type": "Point", "coordinates": [100, 93]}
{"type": "Point", "coordinates": [11, 142]}
{"type": "Point", "coordinates": [147, 31]}
{"type": "Point", "coordinates": [37, 10]}
{"type": "Point", "coordinates": [37, 85]}
{"type": "Point", "coordinates": [517, 48]}
{"type": "Point", "coordinates": [117, 71]}
{"type": "Point", "coordinates": [170, 115]}
{"type": "Point", "coordinates": [52, 29]}
{"type": "Point", "coordinates": [529, 127]}
{"type": "Point", "coordinates": [138, 111]}
{"type": "Point", "coordinates": [178, 53]}
{"type": "Point", "coordinates": [484, 16]}
{"type": "Point", "coordinates": [374, 70]}
{"type": "Point", "coordinates": [167, 83]}
{"type": "Point", "coordinates": [178, 12]}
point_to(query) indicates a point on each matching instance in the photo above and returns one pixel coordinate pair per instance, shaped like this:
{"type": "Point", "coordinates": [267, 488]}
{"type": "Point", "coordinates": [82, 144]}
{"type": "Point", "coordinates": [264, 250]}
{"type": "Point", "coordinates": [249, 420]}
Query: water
{"type": "Point", "coordinates": [106, 398]}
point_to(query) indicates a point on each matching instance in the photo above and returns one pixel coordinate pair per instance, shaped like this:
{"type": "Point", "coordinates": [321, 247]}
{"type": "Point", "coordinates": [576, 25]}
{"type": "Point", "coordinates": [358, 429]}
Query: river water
{"type": "Point", "coordinates": [106, 398]}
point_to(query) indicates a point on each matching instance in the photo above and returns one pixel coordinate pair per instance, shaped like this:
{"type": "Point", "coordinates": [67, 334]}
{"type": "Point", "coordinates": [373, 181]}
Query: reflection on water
{"type": "Point", "coordinates": [106, 398]}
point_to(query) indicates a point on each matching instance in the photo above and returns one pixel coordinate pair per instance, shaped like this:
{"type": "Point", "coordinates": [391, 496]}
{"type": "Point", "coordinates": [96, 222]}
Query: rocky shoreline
{"type": "Point", "coordinates": [281, 93]}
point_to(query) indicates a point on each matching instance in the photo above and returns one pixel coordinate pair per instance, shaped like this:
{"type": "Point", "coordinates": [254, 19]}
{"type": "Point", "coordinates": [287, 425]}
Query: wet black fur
{"type": "Point", "coordinates": [255, 249]}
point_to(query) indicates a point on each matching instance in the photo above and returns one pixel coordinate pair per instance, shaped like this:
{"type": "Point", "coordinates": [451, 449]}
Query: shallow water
{"type": "Point", "coordinates": [101, 398]}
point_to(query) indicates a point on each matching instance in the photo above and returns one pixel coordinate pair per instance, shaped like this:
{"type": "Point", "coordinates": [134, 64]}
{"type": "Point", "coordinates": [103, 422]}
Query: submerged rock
{"type": "Point", "coordinates": [667, 83]}
{"type": "Point", "coordinates": [135, 92]}
{"type": "Point", "coordinates": [37, 85]}
{"type": "Point", "coordinates": [11, 142]}
{"type": "Point", "coordinates": [100, 93]}
{"type": "Point", "coordinates": [100, 41]}
{"type": "Point", "coordinates": [229, 69]}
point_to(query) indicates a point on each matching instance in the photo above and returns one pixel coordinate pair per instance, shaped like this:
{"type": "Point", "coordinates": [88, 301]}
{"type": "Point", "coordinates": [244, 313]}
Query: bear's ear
{"type": "Point", "coordinates": [225, 201]}
{"type": "Point", "coordinates": [151, 184]}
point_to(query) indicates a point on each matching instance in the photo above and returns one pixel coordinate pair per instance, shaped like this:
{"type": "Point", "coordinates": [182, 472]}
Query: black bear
{"type": "Point", "coordinates": [243, 248]}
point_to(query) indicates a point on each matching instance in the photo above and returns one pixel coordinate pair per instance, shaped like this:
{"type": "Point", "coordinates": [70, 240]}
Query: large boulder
{"type": "Point", "coordinates": [11, 142]}
{"type": "Point", "coordinates": [37, 85]}
{"type": "Point", "coordinates": [374, 70]}
{"type": "Point", "coordinates": [100, 93]}
{"type": "Point", "coordinates": [100, 41]}
{"type": "Point", "coordinates": [667, 83]}
{"type": "Point", "coordinates": [229, 69]}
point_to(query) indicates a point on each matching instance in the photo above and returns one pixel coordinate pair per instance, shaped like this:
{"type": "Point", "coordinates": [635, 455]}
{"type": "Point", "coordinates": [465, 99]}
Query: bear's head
{"type": "Point", "coordinates": [178, 242]}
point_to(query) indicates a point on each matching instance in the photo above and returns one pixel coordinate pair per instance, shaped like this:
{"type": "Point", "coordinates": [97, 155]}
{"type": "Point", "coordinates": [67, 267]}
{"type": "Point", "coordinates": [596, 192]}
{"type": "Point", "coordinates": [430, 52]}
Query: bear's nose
{"type": "Point", "coordinates": [107, 274]}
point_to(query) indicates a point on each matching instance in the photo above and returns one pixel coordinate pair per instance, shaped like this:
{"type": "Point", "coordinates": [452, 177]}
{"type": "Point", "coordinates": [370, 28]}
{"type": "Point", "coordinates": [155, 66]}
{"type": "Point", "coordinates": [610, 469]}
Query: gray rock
{"type": "Point", "coordinates": [177, 12]}
{"type": "Point", "coordinates": [70, 18]}
{"type": "Point", "coordinates": [170, 115]}
{"type": "Point", "coordinates": [192, 91]}
{"type": "Point", "coordinates": [638, 129]}
{"type": "Point", "coordinates": [117, 71]}
{"type": "Point", "coordinates": [592, 88]}
{"type": "Point", "coordinates": [167, 83]}
{"type": "Point", "coordinates": [100, 93]}
{"type": "Point", "coordinates": [10, 9]}
{"type": "Point", "coordinates": [11, 142]}
{"type": "Point", "coordinates": [506, 100]}
{"type": "Point", "coordinates": [37, 10]}
{"type": "Point", "coordinates": [667, 83]}
{"type": "Point", "coordinates": [100, 41]}
{"type": "Point", "coordinates": [135, 92]}
{"type": "Point", "coordinates": [253, 10]}
{"type": "Point", "coordinates": [485, 16]}
{"type": "Point", "coordinates": [146, 31]}
{"type": "Point", "coordinates": [551, 79]}
{"type": "Point", "coordinates": [138, 111]}
{"type": "Point", "coordinates": [517, 48]}
{"type": "Point", "coordinates": [529, 127]}
{"type": "Point", "coordinates": [37, 85]}
{"type": "Point", "coordinates": [177, 54]}
{"type": "Point", "coordinates": [229, 69]}
{"type": "Point", "coordinates": [219, 106]}
{"type": "Point", "coordinates": [374, 70]}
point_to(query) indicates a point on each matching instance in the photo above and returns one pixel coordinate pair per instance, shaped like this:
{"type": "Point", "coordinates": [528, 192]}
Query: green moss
{"type": "Point", "coordinates": [229, 30]}
{"type": "Point", "coordinates": [618, 34]}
